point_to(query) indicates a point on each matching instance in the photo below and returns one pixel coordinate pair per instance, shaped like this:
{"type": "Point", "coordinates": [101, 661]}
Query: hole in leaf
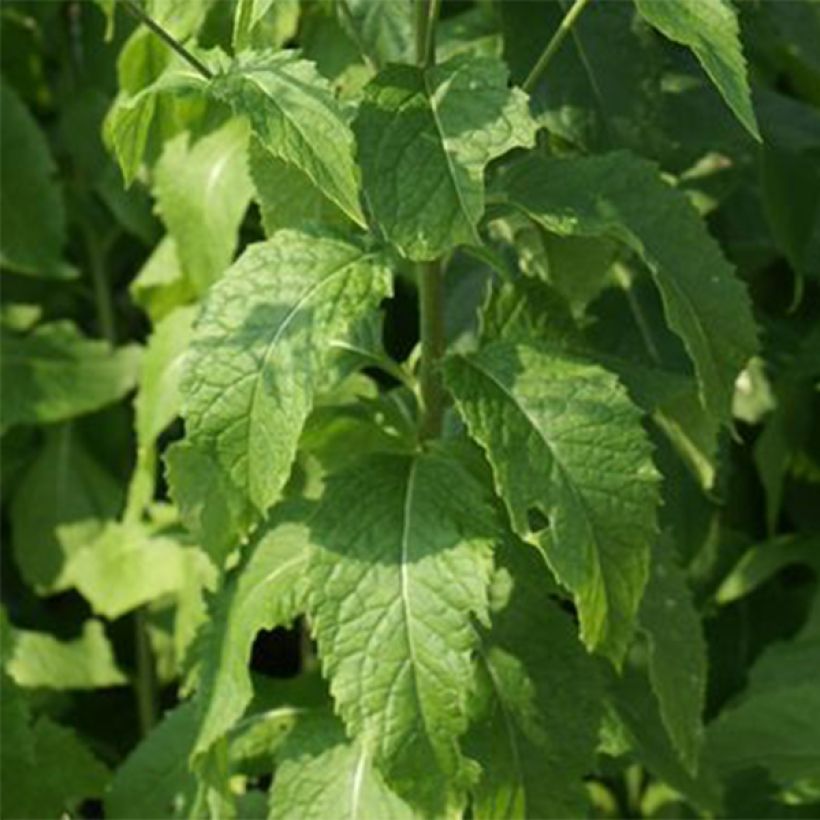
{"type": "Point", "coordinates": [536, 520]}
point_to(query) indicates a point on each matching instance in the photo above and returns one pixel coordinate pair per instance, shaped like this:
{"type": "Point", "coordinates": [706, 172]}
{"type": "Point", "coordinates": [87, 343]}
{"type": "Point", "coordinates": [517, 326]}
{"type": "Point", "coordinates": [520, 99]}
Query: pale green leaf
{"type": "Point", "coordinates": [261, 347]}
{"type": "Point", "coordinates": [41, 660]}
{"type": "Point", "coordinates": [677, 652]}
{"type": "Point", "coordinates": [425, 137]}
{"type": "Point", "coordinates": [539, 702]}
{"type": "Point", "coordinates": [203, 190]}
{"type": "Point", "coordinates": [246, 16]}
{"type": "Point", "coordinates": [160, 286]}
{"type": "Point", "coordinates": [154, 781]}
{"type": "Point", "coordinates": [622, 197]}
{"type": "Point", "coordinates": [566, 443]}
{"type": "Point", "coordinates": [287, 197]}
{"type": "Point", "coordinates": [32, 217]}
{"type": "Point", "coordinates": [383, 32]}
{"type": "Point", "coordinates": [401, 561]}
{"type": "Point", "coordinates": [264, 23]}
{"type": "Point", "coordinates": [320, 774]}
{"type": "Point", "coordinates": [710, 28]}
{"type": "Point", "coordinates": [267, 590]}
{"type": "Point", "coordinates": [158, 400]}
{"type": "Point", "coordinates": [54, 373]}
{"type": "Point", "coordinates": [294, 115]}
{"type": "Point", "coordinates": [60, 505]}
{"type": "Point", "coordinates": [127, 566]}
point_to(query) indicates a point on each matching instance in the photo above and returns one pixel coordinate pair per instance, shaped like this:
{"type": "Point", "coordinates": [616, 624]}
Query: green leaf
{"type": "Point", "coordinates": [160, 286]}
{"type": "Point", "coordinates": [154, 781]}
{"type": "Point", "coordinates": [677, 653]}
{"type": "Point", "coordinates": [127, 566]}
{"type": "Point", "coordinates": [401, 562]}
{"type": "Point", "coordinates": [710, 28]}
{"type": "Point", "coordinates": [55, 373]}
{"type": "Point", "coordinates": [287, 197]}
{"type": "Point", "coordinates": [538, 705]}
{"type": "Point", "coordinates": [566, 443]}
{"type": "Point", "coordinates": [32, 218]}
{"type": "Point", "coordinates": [203, 190]}
{"type": "Point", "coordinates": [59, 506]}
{"type": "Point", "coordinates": [268, 590]}
{"type": "Point", "coordinates": [246, 16]}
{"type": "Point", "coordinates": [425, 137]}
{"type": "Point", "coordinates": [40, 660]}
{"type": "Point", "coordinates": [624, 198]}
{"type": "Point", "coordinates": [294, 115]}
{"type": "Point", "coordinates": [773, 724]}
{"type": "Point", "coordinates": [321, 774]}
{"type": "Point", "coordinates": [384, 32]}
{"type": "Point", "coordinates": [46, 770]}
{"type": "Point", "coordinates": [260, 350]}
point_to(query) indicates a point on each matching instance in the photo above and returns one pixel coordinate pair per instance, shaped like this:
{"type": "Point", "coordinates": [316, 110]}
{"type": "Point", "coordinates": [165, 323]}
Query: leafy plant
{"type": "Point", "coordinates": [443, 442]}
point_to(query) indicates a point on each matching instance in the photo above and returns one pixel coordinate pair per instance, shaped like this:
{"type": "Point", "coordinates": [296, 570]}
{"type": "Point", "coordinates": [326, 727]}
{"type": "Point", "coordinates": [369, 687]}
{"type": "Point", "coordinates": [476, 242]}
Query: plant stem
{"type": "Point", "coordinates": [427, 12]}
{"type": "Point", "coordinates": [145, 685]}
{"type": "Point", "coordinates": [554, 44]}
{"type": "Point", "coordinates": [99, 281]}
{"type": "Point", "coordinates": [431, 306]}
{"type": "Point", "coordinates": [172, 42]}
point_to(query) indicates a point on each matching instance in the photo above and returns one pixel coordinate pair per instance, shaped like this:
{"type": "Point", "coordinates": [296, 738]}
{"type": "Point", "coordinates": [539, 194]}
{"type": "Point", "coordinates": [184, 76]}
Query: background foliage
{"type": "Point", "coordinates": [641, 241]}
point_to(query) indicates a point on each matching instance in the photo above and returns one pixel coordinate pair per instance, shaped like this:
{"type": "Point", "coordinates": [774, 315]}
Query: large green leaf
{"type": "Point", "coordinates": [320, 774]}
{"type": "Point", "coordinates": [295, 116]}
{"type": "Point", "coordinates": [59, 506]}
{"type": "Point", "coordinates": [267, 590]}
{"type": "Point", "coordinates": [566, 443]}
{"type": "Point", "coordinates": [425, 137]}
{"type": "Point", "coordinates": [203, 190]}
{"type": "Point", "coordinates": [54, 373]}
{"type": "Point", "coordinates": [46, 770]}
{"type": "Point", "coordinates": [401, 562]}
{"type": "Point", "coordinates": [32, 217]}
{"type": "Point", "coordinates": [38, 659]}
{"type": "Point", "coordinates": [261, 347]}
{"type": "Point", "coordinates": [155, 781]}
{"type": "Point", "coordinates": [623, 197]}
{"type": "Point", "coordinates": [677, 653]}
{"type": "Point", "coordinates": [382, 31]}
{"type": "Point", "coordinates": [538, 705]}
{"type": "Point", "coordinates": [710, 28]}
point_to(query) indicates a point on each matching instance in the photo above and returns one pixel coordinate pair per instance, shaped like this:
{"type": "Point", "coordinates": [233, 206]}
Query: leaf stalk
{"type": "Point", "coordinates": [554, 44]}
{"type": "Point", "coordinates": [431, 305]}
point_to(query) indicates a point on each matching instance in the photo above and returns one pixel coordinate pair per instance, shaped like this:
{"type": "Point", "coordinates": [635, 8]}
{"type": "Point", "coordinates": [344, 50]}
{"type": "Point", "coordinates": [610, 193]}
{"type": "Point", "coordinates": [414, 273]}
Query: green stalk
{"type": "Point", "coordinates": [145, 684]}
{"type": "Point", "coordinates": [99, 281]}
{"type": "Point", "coordinates": [431, 308]}
{"type": "Point", "coordinates": [168, 39]}
{"type": "Point", "coordinates": [554, 44]}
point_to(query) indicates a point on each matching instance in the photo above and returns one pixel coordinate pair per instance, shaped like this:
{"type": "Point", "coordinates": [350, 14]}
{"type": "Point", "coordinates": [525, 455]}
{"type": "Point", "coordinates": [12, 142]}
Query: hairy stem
{"type": "Point", "coordinates": [554, 44]}
{"type": "Point", "coordinates": [431, 305]}
{"type": "Point", "coordinates": [169, 40]}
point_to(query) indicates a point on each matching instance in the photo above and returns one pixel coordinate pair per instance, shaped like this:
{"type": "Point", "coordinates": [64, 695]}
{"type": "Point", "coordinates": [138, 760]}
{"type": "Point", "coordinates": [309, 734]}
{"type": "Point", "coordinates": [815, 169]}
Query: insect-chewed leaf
{"type": "Point", "coordinates": [623, 197]}
{"type": "Point", "coordinates": [566, 444]}
{"type": "Point", "coordinates": [425, 137]}
{"type": "Point", "coordinates": [401, 562]}
{"type": "Point", "coordinates": [710, 28]}
{"type": "Point", "coordinates": [260, 349]}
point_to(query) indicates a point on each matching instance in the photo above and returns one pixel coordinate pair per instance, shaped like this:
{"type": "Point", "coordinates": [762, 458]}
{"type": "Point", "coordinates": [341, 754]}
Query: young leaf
{"type": "Point", "coordinates": [321, 774]}
{"type": "Point", "coordinates": [32, 217]}
{"type": "Point", "coordinates": [565, 442]}
{"type": "Point", "coordinates": [54, 373]}
{"type": "Point", "coordinates": [425, 137]}
{"type": "Point", "coordinates": [294, 115]}
{"type": "Point", "coordinates": [154, 781]}
{"type": "Point", "coordinates": [710, 28]}
{"type": "Point", "coordinates": [539, 703]}
{"type": "Point", "coordinates": [260, 349]}
{"type": "Point", "coordinates": [59, 506]}
{"type": "Point", "coordinates": [622, 197]}
{"type": "Point", "coordinates": [40, 660]}
{"type": "Point", "coordinates": [268, 590]}
{"type": "Point", "coordinates": [401, 561]}
{"type": "Point", "coordinates": [203, 190]}
{"type": "Point", "coordinates": [677, 653]}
